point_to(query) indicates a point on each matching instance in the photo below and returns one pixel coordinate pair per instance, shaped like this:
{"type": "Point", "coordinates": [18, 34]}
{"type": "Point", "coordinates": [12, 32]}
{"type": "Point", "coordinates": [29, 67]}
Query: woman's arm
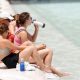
{"type": "Point", "coordinates": [41, 46]}
{"type": "Point", "coordinates": [12, 26]}
{"type": "Point", "coordinates": [35, 34]}
{"type": "Point", "coordinates": [23, 36]}
{"type": "Point", "coordinates": [11, 46]}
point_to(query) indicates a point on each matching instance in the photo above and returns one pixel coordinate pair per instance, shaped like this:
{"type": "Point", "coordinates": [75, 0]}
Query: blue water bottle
{"type": "Point", "coordinates": [22, 65]}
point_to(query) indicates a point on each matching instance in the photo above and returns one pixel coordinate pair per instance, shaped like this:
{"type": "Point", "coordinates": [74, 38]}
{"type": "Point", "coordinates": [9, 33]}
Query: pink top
{"type": "Point", "coordinates": [17, 40]}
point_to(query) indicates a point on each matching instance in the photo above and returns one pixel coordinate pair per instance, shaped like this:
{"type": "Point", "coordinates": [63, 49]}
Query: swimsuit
{"type": "Point", "coordinates": [17, 40]}
{"type": "Point", "coordinates": [11, 60]}
{"type": "Point", "coordinates": [8, 58]}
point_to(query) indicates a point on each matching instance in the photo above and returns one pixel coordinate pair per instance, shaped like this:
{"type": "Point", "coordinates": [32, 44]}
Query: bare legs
{"type": "Point", "coordinates": [46, 55]}
{"type": "Point", "coordinates": [58, 72]}
{"type": "Point", "coordinates": [26, 53]}
{"type": "Point", "coordinates": [32, 51]}
{"type": "Point", "coordinates": [42, 58]}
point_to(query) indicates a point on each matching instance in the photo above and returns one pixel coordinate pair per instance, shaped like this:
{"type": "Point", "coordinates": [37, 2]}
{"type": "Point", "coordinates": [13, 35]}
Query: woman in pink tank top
{"type": "Point", "coordinates": [17, 39]}
{"type": "Point", "coordinates": [22, 37]}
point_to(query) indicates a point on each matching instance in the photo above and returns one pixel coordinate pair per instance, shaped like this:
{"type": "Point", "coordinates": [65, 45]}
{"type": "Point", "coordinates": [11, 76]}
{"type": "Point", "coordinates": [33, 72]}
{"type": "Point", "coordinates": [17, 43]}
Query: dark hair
{"type": "Point", "coordinates": [3, 28]}
{"type": "Point", "coordinates": [22, 19]}
{"type": "Point", "coordinates": [16, 16]}
{"type": "Point", "coordinates": [4, 21]}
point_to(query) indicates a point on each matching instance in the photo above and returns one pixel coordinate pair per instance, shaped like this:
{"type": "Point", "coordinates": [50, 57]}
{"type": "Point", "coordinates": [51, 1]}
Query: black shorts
{"type": "Point", "coordinates": [11, 60]}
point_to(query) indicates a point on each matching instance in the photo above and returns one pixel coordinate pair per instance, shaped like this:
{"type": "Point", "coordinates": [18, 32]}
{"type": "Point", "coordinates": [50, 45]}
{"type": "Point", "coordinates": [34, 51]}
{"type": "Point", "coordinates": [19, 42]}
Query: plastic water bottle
{"type": "Point", "coordinates": [38, 23]}
{"type": "Point", "coordinates": [22, 65]}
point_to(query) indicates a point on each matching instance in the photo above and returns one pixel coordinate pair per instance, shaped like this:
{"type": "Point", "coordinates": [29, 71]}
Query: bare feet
{"type": "Point", "coordinates": [62, 74]}
{"type": "Point", "coordinates": [59, 73]}
{"type": "Point", "coordinates": [46, 69]}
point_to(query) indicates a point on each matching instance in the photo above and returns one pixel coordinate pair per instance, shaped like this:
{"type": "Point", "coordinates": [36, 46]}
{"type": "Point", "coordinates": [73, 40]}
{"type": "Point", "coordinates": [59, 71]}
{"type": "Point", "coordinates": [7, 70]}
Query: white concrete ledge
{"type": "Point", "coordinates": [5, 6]}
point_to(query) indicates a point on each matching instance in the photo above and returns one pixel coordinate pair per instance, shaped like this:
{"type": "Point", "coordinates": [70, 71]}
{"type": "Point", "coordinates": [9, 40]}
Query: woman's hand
{"type": "Point", "coordinates": [41, 46]}
{"type": "Point", "coordinates": [36, 27]}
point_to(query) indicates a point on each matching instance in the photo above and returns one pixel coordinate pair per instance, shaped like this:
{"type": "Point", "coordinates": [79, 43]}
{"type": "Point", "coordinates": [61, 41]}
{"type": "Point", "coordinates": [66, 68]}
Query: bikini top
{"type": "Point", "coordinates": [17, 40]}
